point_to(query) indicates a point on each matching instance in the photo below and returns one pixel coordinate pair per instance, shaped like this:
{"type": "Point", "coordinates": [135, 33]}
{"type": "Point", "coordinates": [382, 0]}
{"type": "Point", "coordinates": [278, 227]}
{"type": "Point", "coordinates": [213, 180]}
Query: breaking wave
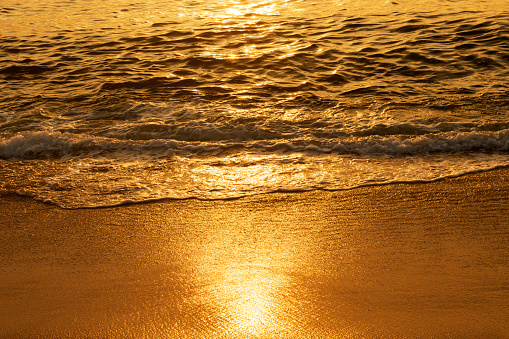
{"type": "Point", "coordinates": [55, 145]}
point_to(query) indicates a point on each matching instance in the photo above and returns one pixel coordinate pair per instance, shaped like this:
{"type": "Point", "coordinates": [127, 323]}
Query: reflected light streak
{"type": "Point", "coordinates": [241, 8]}
{"type": "Point", "coordinates": [243, 269]}
{"type": "Point", "coordinates": [251, 307]}
{"type": "Point", "coordinates": [247, 173]}
{"type": "Point", "coordinates": [244, 16]}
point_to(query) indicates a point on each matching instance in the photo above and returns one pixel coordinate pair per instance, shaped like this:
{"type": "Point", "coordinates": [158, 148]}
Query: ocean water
{"type": "Point", "coordinates": [110, 102]}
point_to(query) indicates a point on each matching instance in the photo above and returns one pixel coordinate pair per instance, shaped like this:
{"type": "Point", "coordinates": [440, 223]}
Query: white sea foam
{"type": "Point", "coordinates": [55, 145]}
{"type": "Point", "coordinates": [87, 171]}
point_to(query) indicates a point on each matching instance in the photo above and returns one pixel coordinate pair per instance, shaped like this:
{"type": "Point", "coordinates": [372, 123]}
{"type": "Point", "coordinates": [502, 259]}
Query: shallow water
{"type": "Point", "coordinates": [107, 103]}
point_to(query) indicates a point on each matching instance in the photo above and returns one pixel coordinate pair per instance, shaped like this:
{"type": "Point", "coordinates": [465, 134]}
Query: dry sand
{"type": "Point", "coordinates": [407, 260]}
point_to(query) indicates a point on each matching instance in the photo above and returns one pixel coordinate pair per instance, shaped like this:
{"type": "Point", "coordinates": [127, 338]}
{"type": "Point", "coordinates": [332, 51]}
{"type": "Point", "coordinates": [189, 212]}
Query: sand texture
{"type": "Point", "coordinates": [407, 260]}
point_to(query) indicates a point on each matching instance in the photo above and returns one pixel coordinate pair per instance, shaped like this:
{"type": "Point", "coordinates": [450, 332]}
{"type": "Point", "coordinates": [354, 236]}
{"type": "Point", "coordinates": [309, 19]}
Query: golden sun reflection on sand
{"type": "Point", "coordinates": [241, 271]}
{"type": "Point", "coordinates": [251, 303]}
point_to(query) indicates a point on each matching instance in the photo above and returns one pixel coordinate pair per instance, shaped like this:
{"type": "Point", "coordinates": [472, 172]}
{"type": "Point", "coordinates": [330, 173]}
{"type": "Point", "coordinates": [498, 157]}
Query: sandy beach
{"type": "Point", "coordinates": [237, 130]}
{"type": "Point", "coordinates": [426, 260]}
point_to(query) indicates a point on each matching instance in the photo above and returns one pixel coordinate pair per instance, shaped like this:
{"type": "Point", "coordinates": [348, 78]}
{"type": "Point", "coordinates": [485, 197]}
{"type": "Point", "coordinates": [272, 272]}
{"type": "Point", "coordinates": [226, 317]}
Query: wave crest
{"type": "Point", "coordinates": [54, 145]}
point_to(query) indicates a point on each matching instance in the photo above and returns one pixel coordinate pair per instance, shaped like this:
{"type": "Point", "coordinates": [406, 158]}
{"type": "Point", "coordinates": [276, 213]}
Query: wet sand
{"type": "Point", "coordinates": [407, 260]}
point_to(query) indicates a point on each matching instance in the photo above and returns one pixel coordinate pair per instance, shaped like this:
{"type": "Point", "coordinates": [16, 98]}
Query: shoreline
{"type": "Point", "coordinates": [496, 172]}
{"type": "Point", "coordinates": [399, 260]}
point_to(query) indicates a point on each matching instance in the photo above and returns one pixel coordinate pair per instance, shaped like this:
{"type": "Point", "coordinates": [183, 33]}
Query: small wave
{"type": "Point", "coordinates": [54, 145]}
{"type": "Point", "coordinates": [443, 143]}
{"type": "Point", "coordinates": [174, 82]}
{"type": "Point", "coordinates": [18, 71]}
{"type": "Point", "coordinates": [410, 28]}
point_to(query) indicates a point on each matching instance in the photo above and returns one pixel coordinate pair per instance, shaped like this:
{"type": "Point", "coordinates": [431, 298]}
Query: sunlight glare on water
{"type": "Point", "coordinates": [226, 98]}
{"type": "Point", "coordinates": [238, 8]}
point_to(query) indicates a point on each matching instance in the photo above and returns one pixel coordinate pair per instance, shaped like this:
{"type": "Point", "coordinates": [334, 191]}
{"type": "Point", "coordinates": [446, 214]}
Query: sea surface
{"type": "Point", "coordinates": [111, 102]}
